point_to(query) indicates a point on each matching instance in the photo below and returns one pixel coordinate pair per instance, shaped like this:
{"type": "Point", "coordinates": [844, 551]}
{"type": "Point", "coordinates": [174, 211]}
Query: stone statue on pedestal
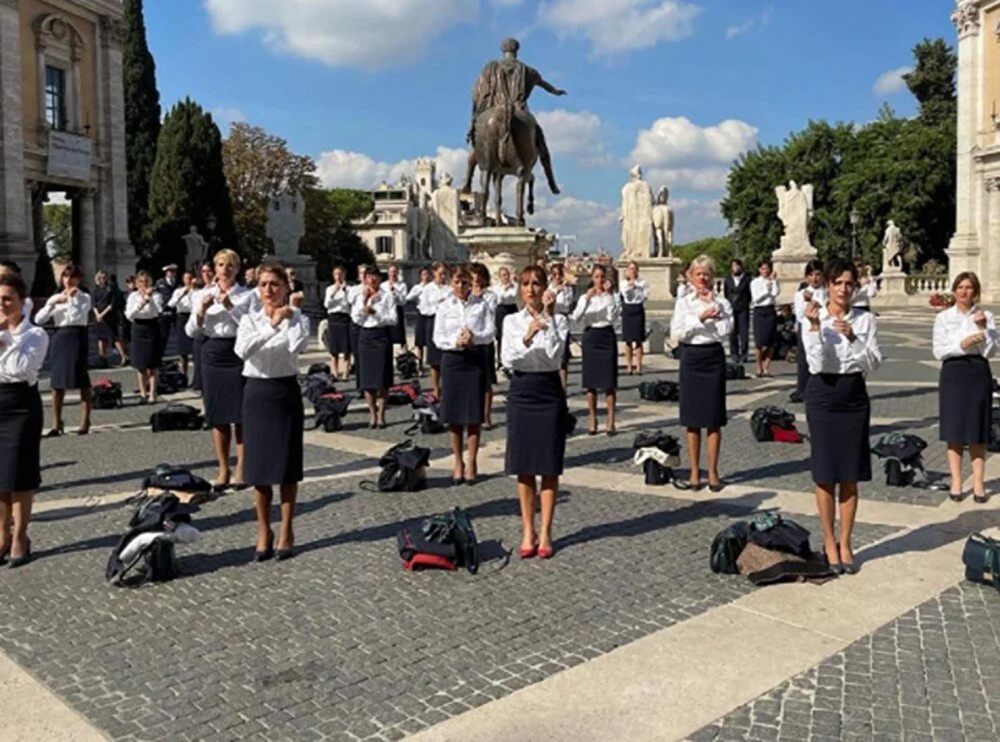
{"type": "Point", "coordinates": [425, 228]}
{"type": "Point", "coordinates": [663, 225]}
{"type": "Point", "coordinates": [893, 245]}
{"type": "Point", "coordinates": [286, 223]}
{"type": "Point", "coordinates": [636, 216]}
{"type": "Point", "coordinates": [196, 248]}
{"type": "Point", "coordinates": [795, 209]}
{"type": "Point", "coordinates": [447, 210]}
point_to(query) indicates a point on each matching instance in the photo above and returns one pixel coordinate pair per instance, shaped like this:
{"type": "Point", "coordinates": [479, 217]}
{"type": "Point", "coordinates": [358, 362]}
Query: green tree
{"type": "Point", "coordinates": [57, 220]}
{"type": "Point", "coordinates": [329, 237]}
{"type": "Point", "coordinates": [720, 249]}
{"type": "Point", "coordinates": [187, 185]}
{"type": "Point", "coordinates": [142, 120]}
{"type": "Point", "coordinates": [932, 81]}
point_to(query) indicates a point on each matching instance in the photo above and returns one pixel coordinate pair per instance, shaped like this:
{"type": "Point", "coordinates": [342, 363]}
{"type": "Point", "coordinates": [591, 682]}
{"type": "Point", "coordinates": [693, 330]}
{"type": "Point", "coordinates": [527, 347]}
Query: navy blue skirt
{"type": "Point", "coordinates": [463, 386]}
{"type": "Point", "coordinates": [703, 386]}
{"type": "Point", "coordinates": [536, 425]}
{"type": "Point", "coordinates": [374, 358]}
{"type": "Point", "coordinates": [433, 352]}
{"type": "Point", "coordinates": [398, 331]}
{"type": "Point", "coordinates": [222, 382]}
{"type": "Point", "coordinates": [965, 400]}
{"type": "Point", "coordinates": [421, 336]}
{"type": "Point", "coordinates": [196, 344]}
{"type": "Point", "coordinates": [765, 325]}
{"type": "Point", "coordinates": [338, 333]}
{"type": "Point", "coordinates": [185, 345]}
{"type": "Point", "coordinates": [634, 323]}
{"type": "Point", "coordinates": [21, 421]}
{"type": "Point", "coordinates": [146, 344]}
{"type": "Point", "coordinates": [839, 415]}
{"type": "Point", "coordinates": [68, 356]}
{"type": "Point", "coordinates": [272, 431]}
{"type": "Point", "coordinates": [600, 359]}
{"type": "Point", "coordinates": [503, 311]}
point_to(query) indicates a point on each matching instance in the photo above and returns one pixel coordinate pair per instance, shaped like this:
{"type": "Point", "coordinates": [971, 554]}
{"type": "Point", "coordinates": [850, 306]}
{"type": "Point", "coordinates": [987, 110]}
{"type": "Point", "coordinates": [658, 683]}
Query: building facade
{"type": "Point", "coordinates": [62, 129]}
{"type": "Point", "coordinates": [976, 243]}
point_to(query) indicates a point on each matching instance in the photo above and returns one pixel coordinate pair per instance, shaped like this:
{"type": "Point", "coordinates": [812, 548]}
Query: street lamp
{"type": "Point", "coordinates": [736, 238]}
{"type": "Point", "coordinates": [210, 224]}
{"type": "Point", "coordinates": [855, 218]}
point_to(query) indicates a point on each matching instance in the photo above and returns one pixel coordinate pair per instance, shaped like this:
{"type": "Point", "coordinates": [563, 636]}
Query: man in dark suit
{"type": "Point", "coordinates": [737, 291]}
{"type": "Point", "coordinates": [165, 288]}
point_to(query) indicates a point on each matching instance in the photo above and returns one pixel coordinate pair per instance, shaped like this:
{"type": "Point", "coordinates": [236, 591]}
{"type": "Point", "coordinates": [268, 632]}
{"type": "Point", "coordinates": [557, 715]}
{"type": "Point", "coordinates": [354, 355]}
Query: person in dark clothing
{"type": "Point", "coordinates": [736, 289]}
{"type": "Point", "coordinates": [107, 315]}
{"type": "Point", "coordinates": [168, 318]}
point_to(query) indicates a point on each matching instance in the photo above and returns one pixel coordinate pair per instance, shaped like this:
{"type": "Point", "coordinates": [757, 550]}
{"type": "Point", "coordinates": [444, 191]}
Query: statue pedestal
{"type": "Point", "coordinates": [893, 284]}
{"type": "Point", "coordinates": [660, 275]}
{"type": "Point", "coordinates": [790, 270]}
{"type": "Point", "coordinates": [513, 247]}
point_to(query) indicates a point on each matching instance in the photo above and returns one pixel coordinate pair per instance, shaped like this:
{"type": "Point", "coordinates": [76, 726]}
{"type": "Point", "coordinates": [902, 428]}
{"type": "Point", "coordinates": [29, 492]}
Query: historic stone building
{"type": "Point", "coordinates": [62, 129]}
{"type": "Point", "coordinates": [976, 244]}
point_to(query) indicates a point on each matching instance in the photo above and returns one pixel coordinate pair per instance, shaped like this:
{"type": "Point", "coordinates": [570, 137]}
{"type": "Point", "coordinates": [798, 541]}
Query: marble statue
{"type": "Point", "coordinates": [663, 225]}
{"type": "Point", "coordinates": [447, 209]}
{"type": "Point", "coordinates": [425, 227]}
{"type": "Point", "coordinates": [286, 223]}
{"type": "Point", "coordinates": [795, 209]}
{"type": "Point", "coordinates": [636, 216]}
{"type": "Point", "coordinates": [893, 245]}
{"type": "Point", "coordinates": [196, 248]}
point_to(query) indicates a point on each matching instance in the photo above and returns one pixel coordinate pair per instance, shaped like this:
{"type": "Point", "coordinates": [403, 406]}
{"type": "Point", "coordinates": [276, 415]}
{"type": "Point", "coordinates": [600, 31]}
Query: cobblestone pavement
{"type": "Point", "coordinates": [930, 676]}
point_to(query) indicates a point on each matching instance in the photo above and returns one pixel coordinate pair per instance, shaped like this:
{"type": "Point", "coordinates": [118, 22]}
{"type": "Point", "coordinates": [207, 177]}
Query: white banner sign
{"type": "Point", "coordinates": [69, 156]}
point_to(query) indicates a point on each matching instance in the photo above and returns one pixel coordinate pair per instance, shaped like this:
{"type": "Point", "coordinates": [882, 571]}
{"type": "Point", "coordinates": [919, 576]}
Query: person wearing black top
{"type": "Point", "coordinates": [736, 289]}
{"type": "Point", "coordinates": [168, 317]}
{"type": "Point", "coordinates": [108, 316]}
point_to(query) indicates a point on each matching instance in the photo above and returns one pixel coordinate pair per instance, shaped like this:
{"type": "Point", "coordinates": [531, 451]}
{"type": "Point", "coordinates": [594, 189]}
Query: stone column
{"type": "Point", "coordinates": [964, 249]}
{"type": "Point", "coordinates": [90, 260]}
{"type": "Point", "coordinates": [991, 281]}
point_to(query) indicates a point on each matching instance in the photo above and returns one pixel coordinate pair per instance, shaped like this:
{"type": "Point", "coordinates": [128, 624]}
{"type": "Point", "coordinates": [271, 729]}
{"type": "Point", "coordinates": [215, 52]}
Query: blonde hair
{"type": "Point", "coordinates": [702, 261]}
{"type": "Point", "coordinates": [99, 275]}
{"type": "Point", "coordinates": [143, 276]}
{"type": "Point", "coordinates": [229, 256]}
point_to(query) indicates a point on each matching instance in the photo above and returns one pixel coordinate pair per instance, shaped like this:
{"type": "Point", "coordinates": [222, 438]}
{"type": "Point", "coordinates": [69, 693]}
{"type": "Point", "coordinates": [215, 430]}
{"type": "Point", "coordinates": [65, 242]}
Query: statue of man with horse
{"type": "Point", "coordinates": [506, 139]}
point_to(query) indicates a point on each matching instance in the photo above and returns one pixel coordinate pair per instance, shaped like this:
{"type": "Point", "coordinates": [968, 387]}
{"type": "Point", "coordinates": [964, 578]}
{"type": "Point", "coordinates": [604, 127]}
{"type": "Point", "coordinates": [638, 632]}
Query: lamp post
{"type": "Point", "coordinates": [855, 218]}
{"type": "Point", "coordinates": [210, 224]}
{"type": "Point", "coordinates": [736, 238]}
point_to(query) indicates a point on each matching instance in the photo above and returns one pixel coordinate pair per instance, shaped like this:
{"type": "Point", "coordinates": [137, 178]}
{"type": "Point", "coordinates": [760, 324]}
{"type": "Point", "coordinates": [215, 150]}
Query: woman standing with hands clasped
{"type": "Point", "coordinates": [597, 311]}
{"type": "Point", "coordinates": [375, 314]}
{"type": "Point", "coordinates": [397, 286]}
{"type": "Point", "coordinates": [143, 309]}
{"type": "Point", "coordinates": [421, 336]}
{"type": "Point", "coordinates": [534, 339]}
{"type": "Point", "coordinates": [841, 346]}
{"type": "Point", "coordinates": [702, 322]}
{"type": "Point", "coordinates": [634, 294]}
{"type": "Point", "coordinates": [481, 288]}
{"type": "Point", "coordinates": [764, 293]}
{"type": "Point", "coordinates": [965, 336]}
{"type": "Point", "coordinates": [431, 298]}
{"type": "Point", "coordinates": [563, 293]}
{"type": "Point", "coordinates": [69, 310]}
{"type": "Point", "coordinates": [180, 301]}
{"type": "Point", "coordinates": [506, 305]}
{"type": "Point", "coordinates": [22, 353]}
{"type": "Point", "coordinates": [338, 322]}
{"type": "Point", "coordinates": [270, 340]}
{"type": "Point", "coordinates": [463, 323]}
{"type": "Point", "coordinates": [218, 310]}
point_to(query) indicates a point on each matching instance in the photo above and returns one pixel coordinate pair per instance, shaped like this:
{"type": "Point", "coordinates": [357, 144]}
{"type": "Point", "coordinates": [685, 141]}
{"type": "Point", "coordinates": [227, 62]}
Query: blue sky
{"type": "Point", "coordinates": [681, 86]}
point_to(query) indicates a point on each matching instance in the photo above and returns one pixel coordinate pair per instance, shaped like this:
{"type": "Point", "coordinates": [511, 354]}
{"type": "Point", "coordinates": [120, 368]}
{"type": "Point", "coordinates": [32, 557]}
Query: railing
{"type": "Point", "coordinates": [927, 284]}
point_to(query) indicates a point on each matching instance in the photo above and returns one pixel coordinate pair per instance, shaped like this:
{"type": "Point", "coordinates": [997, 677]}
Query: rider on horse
{"type": "Point", "coordinates": [508, 82]}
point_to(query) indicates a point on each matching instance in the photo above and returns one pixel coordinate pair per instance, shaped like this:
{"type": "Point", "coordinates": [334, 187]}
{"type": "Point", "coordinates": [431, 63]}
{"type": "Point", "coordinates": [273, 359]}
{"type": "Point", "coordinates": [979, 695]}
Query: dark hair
{"type": "Point", "coordinates": [481, 274]}
{"type": "Point", "coordinates": [535, 271]}
{"type": "Point", "coordinates": [768, 263]}
{"type": "Point", "coordinates": [15, 281]}
{"type": "Point", "coordinates": [72, 270]}
{"type": "Point", "coordinates": [971, 278]}
{"type": "Point", "coordinates": [275, 268]}
{"type": "Point", "coordinates": [338, 267]}
{"type": "Point", "coordinates": [11, 266]}
{"type": "Point", "coordinates": [438, 264]}
{"type": "Point", "coordinates": [839, 266]}
{"type": "Point", "coordinates": [814, 265]}
{"type": "Point", "coordinates": [736, 261]}
{"type": "Point", "coordinates": [460, 272]}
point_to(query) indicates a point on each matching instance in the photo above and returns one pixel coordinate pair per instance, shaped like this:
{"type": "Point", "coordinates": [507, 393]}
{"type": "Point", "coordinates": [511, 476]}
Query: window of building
{"type": "Point", "coordinates": [55, 97]}
{"type": "Point", "coordinates": [383, 245]}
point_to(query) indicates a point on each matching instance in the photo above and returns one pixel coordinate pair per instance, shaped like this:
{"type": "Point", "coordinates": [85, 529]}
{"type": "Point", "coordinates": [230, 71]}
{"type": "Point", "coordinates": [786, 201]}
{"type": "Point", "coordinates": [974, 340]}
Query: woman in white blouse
{"type": "Point", "coordinates": [506, 305]}
{"type": "Point", "coordinates": [354, 332]}
{"type": "Point", "coordinates": [375, 314]}
{"type": "Point", "coordinates": [813, 291]}
{"type": "Point", "coordinates": [634, 294]}
{"type": "Point", "coordinates": [462, 324]}
{"type": "Point", "coordinates": [218, 311]}
{"type": "Point", "coordinates": [338, 322]}
{"type": "Point", "coordinates": [69, 311]}
{"type": "Point", "coordinates": [421, 335]}
{"type": "Point", "coordinates": [481, 287]}
{"type": "Point", "coordinates": [563, 293]}
{"type": "Point", "coordinates": [965, 336]}
{"type": "Point", "coordinates": [701, 323]}
{"type": "Point", "coordinates": [22, 353]}
{"type": "Point", "coordinates": [597, 311]}
{"type": "Point", "coordinates": [841, 345]}
{"type": "Point", "coordinates": [269, 341]}
{"type": "Point", "coordinates": [143, 309]}
{"type": "Point", "coordinates": [867, 291]}
{"type": "Point", "coordinates": [180, 302]}
{"type": "Point", "coordinates": [536, 407]}
{"type": "Point", "coordinates": [431, 298]}
{"type": "Point", "coordinates": [397, 285]}
{"type": "Point", "coordinates": [764, 292]}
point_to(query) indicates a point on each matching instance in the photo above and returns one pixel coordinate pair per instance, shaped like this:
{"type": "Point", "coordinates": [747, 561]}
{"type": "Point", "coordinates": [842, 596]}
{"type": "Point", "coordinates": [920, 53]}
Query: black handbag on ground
{"type": "Point", "coordinates": [735, 372]}
{"type": "Point", "coordinates": [763, 418]}
{"type": "Point", "coordinates": [727, 546]}
{"type": "Point", "coordinates": [317, 384]}
{"type": "Point", "coordinates": [981, 557]}
{"type": "Point", "coordinates": [404, 469]}
{"type": "Point", "coordinates": [170, 379]}
{"type": "Point", "coordinates": [176, 416]}
{"type": "Point", "coordinates": [659, 390]}
{"type": "Point", "coordinates": [444, 541]}
{"type": "Point", "coordinates": [156, 561]}
{"type": "Point", "coordinates": [407, 366]}
{"type": "Point", "coordinates": [771, 531]}
{"type": "Point", "coordinates": [318, 368]}
{"type": "Point", "coordinates": [106, 394]}
{"type": "Point", "coordinates": [656, 473]}
{"type": "Point", "coordinates": [330, 410]}
{"type": "Point", "coordinates": [175, 478]}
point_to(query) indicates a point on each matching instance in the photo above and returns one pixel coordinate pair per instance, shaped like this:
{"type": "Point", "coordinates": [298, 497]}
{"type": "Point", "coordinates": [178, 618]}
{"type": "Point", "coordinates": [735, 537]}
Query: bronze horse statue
{"type": "Point", "coordinates": [505, 140]}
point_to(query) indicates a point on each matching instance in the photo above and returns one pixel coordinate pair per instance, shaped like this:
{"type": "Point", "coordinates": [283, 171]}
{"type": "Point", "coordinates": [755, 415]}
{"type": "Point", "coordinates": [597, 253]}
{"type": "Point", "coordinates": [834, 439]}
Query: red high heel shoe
{"type": "Point", "coordinates": [546, 553]}
{"type": "Point", "coordinates": [528, 552]}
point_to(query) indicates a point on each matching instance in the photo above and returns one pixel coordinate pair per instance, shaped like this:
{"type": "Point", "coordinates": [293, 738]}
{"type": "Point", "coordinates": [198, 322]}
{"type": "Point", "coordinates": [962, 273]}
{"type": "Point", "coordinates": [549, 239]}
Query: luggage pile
{"type": "Point", "coordinates": [660, 390]}
{"type": "Point", "coordinates": [657, 453]}
{"type": "Point", "coordinates": [404, 469]}
{"type": "Point", "coordinates": [768, 549]}
{"type": "Point", "coordinates": [774, 424]}
{"type": "Point", "coordinates": [426, 415]}
{"type": "Point", "coordinates": [176, 416]}
{"type": "Point", "coordinates": [106, 394]}
{"type": "Point", "coordinates": [445, 541]}
{"type": "Point", "coordinates": [904, 465]}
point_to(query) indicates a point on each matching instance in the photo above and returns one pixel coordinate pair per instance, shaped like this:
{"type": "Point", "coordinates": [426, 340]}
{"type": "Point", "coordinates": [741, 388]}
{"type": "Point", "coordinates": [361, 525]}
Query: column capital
{"type": "Point", "coordinates": [966, 18]}
{"type": "Point", "coordinates": [112, 32]}
{"type": "Point", "coordinates": [993, 184]}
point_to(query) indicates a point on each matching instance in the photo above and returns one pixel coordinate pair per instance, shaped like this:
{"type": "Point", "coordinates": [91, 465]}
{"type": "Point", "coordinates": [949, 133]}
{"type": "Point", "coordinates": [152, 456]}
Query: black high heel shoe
{"type": "Point", "coordinates": [263, 556]}
{"type": "Point", "coordinates": [20, 561]}
{"type": "Point", "coordinates": [4, 554]}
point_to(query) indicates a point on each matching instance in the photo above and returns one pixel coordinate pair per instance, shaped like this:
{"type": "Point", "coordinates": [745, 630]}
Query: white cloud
{"type": "Point", "coordinates": [695, 220]}
{"type": "Point", "coordinates": [575, 134]}
{"type": "Point", "coordinates": [689, 178]}
{"type": "Point", "coordinates": [891, 82]}
{"type": "Point", "coordinates": [372, 34]}
{"type": "Point", "coordinates": [592, 223]}
{"type": "Point", "coordinates": [343, 169]}
{"type": "Point", "coordinates": [615, 26]}
{"type": "Point", "coordinates": [733, 31]}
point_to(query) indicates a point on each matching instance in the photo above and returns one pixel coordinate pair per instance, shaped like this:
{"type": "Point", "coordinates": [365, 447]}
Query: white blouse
{"type": "Point", "coordinates": [764, 292]}
{"type": "Point", "coordinates": [599, 310]}
{"type": "Point", "coordinates": [75, 312]}
{"type": "Point", "coordinates": [952, 326]}
{"type": "Point", "coordinates": [414, 293]}
{"type": "Point", "coordinates": [219, 321]}
{"type": "Point", "coordinates": [384, 304]}
{"type": "Point", "coordinates": [865, 293]}
{"type": "Point", "coordinates": [546, 349]}
{"type": "Point", "coordinates": [635, 292]}
{"type": "Point", "coordinates": [799, 303]}
{"type": "Point", "coordinates": [181, 300]}
{"type": "Point", "coordinates": [399, 288]}
{"type": "Point", "coordinates": [688, 327]}
{"type": "Point", "coordinates": [271, 352]}
{"type": "Point", "coordinates": [431, 297]}
{"type": "Point", "coordinates": [829, 352]}
{"type": "Point", "coordinates": [491, 299]}
{"type": "Point", "coordinates": [336, 299]}
{"type": "Point", "coordinates": [507, 295]}
{"type": "Point", "coordinates": [682, 290]}
{"type": "Point", "coordinates": [454, 315]}
{"type": "Point", "coordinates": [137, 307]}
{"type": "Point", "coordinates": [564, 297]}
{"type": "Point", "coordinates": [22, 352]}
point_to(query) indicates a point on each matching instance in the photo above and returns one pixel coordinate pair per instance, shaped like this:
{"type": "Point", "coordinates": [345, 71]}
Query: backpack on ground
{"type": "Point", "coordinates": [764, 420]}
{"type": "Point", "coordinates": [657, 453]}
{"type": "Point", "coordinates": [401, 394]}
{"type": "Point", "coordinates": [445, 541]}
{"type": "Point", "coordinates": [981, 558]}
{"type": "Point", "coordinates": [727, 546]}
{"type": "Point", "coordinates": [170, 379]}
{"type": "Point", "coordinates": [407, 366]}
{"type": "Point", "coordinates": [770, 531]}
{"type": "Point", "coordinates": [155, 524]}
{"type": "Point", "coordinates": [660, 391]}
{"type": "Point", "coordinates": [318, 368]}
{"type": "Point", "coordinates": [176, 416]}
{"type": "Point", "coordinates": [426, 415]}
{"type": "Point", "coordinates": [106, 394]}
{"type": "Point", "coordinates": [175, 479]}
{"type": "Point", "coordinates": [404, 468]}
{"type": "Point", "coordinates": [904, 464]}
{"type": "Point", "coordinates": [318, 383]}
{"type": "Point", "coordinates": [735, 372]}
{"type": "Point", "coordinates": [330, 410]}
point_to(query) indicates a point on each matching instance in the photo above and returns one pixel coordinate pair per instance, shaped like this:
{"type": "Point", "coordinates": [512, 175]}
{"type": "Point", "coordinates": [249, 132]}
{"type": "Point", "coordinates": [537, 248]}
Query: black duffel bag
{"type": "Point", "coordinates": [330, 410]}
{"type": "Point", "coordinates": [727, 546]}
{"type": "Point", "coordinates": [176, 479]}
{"type": "Point", "coordinates": [981, 558]}
{"type": "Point", "coordinates": [176, 416]}
{"type": "Point", "coordinates": [660, 390]}
{"type": "Point", "coordinates": [404, 469]}
{"type": "Point", "coordinates": [771, 531]}
{"type": "Point", "coordinates": [445, 541]}
{"type": "Point", "coordinates": [764, 417]}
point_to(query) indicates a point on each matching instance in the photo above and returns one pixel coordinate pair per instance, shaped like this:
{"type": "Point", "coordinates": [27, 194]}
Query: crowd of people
{"type": "Point", "coordinates": [242, 341]}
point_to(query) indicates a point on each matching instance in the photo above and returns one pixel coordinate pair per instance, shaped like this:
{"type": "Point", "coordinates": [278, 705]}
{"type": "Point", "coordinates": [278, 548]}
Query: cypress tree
{"type": "Point", "coordinates": [188, 184]}
{"type": "Point", "coordinates": [142, 121]}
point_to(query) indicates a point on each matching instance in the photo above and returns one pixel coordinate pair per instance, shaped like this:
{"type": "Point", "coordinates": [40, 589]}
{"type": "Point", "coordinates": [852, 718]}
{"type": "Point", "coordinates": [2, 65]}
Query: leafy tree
{"type": "Point", "coordinates": [932, 81]}
{"type": "Point", "coordinates": [329, 237]}
{"type": "Point", "coordinates": [187, 185]}
{"type": "Point", "coordinates": [720, 249]}
{"type": "Point", "coordinates": [57, 220]}
{"type": "Point", "coordinates": [259, 166]}
{"type": "Point", "coordinates": [142, 120]}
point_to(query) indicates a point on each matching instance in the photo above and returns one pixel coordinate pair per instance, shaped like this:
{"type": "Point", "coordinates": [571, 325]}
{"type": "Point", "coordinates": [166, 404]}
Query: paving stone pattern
{"type": "Point", "coordinates": [933, 675]}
